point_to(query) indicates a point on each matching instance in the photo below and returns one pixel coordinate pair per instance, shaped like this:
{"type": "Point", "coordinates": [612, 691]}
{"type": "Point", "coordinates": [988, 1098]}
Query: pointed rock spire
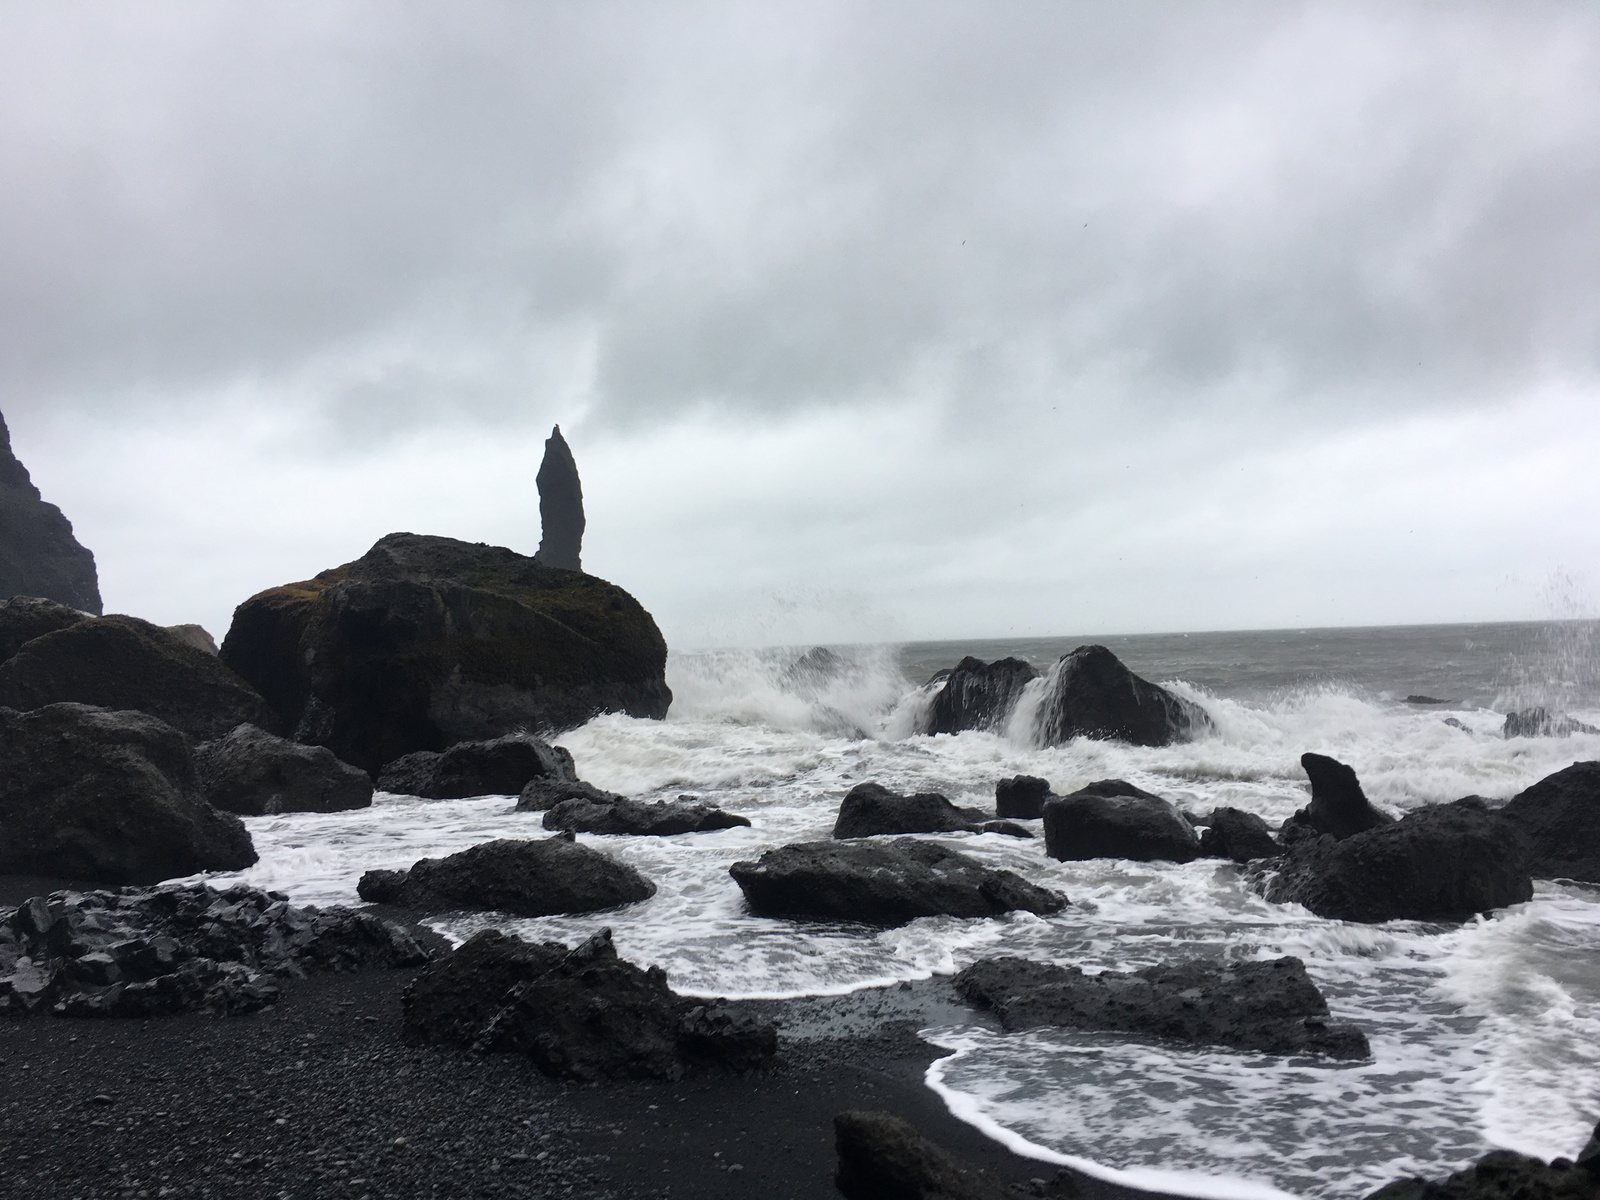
{"type": "Point", "coordinates": [560, 505]}
{"type": "Point", "coordinates": [38, 554]}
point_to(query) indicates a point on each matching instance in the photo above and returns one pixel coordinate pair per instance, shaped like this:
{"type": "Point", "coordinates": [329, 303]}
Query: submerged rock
{"type": "Point", "coordinates": [107, 797]}
{"type": "Point", "coordinates": [623, 816]}
{"type": "Point", "coordinates": [1445, 862]}
{"type": "Point", "coordinates": [882, 1157]}
{"type": "Point", "coordinates": [1092, 694]}
{"type": "Point", "coordinates": [583, 1014]}
{"type": "Point", "coordinates": [1338, 808]}
{"type": "Point", "coordinates": [978, 695]}
{"type": "Point", "coordinates": [253, 773]}
{"type": "Point", "coordinates": [1507, 1175]}
{"type": "Point", "coordinates": [1272, 1006]}
{"type": "Point", "coordinates": [1539, 722]}
{"type": "Point", "coordinates": [39, 556]}
{"type": "Point", "coordinates": [427, 641]}
{"type": "Point", "coordinates": [1237, 835]}
{"type": "Point", "coordinates": [869, 809]}
{"type": "Point", "coordinates": [536, 878]}
{"type": "Point", "coordinates": [883, 883]}
{"type": "Point", "coordinates": [1113, 819]}
{"type": "Point", "coordinates": [560, 506]}
{"type": "Point", "coordinates": [1559, 818]}
{"type": "Point", "coordinates": [501, 766]}
{"type": "Point", "coordinates": [152, 951]}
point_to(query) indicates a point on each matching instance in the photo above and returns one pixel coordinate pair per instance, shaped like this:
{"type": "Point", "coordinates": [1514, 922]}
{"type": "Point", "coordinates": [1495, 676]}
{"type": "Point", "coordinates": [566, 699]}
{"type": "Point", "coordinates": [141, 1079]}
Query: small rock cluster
{"type": "Point", "coordinates": [141, 952]}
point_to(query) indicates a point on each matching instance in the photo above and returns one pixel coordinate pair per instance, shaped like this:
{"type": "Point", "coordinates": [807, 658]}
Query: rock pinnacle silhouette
{"type": "Point", "coordinates": [560, 505]}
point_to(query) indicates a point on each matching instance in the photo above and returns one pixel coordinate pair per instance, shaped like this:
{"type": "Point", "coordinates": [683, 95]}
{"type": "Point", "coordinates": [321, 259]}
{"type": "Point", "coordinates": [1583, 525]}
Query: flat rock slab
{"type": "Point", "coordinates": [253, 773]}
{"type": "Point", "coordinates": [142, 952]}
{"type": "Point", "coordinates": [664, 818]}
{"type": "Point", "coordinates": [500, 766]}
{"type": "Point", "coordinates": [1272, 1006]}
{"type": "Point", "coordinates": [537, 878]}
{"type": "Point", "coordinates": [883, 883]}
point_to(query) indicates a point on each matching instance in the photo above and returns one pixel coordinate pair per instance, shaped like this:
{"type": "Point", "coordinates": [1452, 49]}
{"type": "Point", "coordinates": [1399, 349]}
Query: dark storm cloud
{"type": "Point", "coordinates": [395, 215]}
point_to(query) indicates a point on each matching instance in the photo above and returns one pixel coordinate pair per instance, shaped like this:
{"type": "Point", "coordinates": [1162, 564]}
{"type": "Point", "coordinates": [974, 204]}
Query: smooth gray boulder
{"type": "Point", "coordinates": [39, 556]}
{"type": "Point", "coordinates": [560, 506]}
{"type": "Point", "coordinates": [1113, 819]}
{"type": "Point", "coordinates": [253, 773]}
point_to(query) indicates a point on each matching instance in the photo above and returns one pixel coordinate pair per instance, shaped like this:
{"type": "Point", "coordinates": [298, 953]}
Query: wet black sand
{"type": "Point", "coordinates": [318, 1097]}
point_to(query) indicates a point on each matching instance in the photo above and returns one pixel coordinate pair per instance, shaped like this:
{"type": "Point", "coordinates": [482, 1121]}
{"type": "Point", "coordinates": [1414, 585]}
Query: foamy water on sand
{"type": "Point", "coordinates": [1483, 1035]}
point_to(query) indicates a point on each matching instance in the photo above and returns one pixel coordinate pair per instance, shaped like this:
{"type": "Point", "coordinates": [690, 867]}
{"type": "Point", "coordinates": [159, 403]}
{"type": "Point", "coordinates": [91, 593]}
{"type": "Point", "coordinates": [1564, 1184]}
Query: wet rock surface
{"type": "Point", "coordinates": [881, 1155]}
{"type": "Point", "coordinates": [107, 797]}
{"type": "Point", "coordinates": [869, 809]}
{"type": "Point", "coordinates": [253, 773]}
{"type": "Point", "coordinates": [663, 818]}
{"type": "Point", "coordinates": [1507, 1175]}
{"type": "Point", "coordinates": [1022, 797]}
{"type": "Point", "coordinates": [1559, 819]}
{"type": "Point", "coordinates": [978, 695]}
{"type": "Point", "coordinates": [141, 952]}
{"type": "Point", "coordinates": [1237, 835]}
{"type": "Point", "coordinates": [1445, 862]}
{"type": "Point", "coordinates": [537, 795]}
{"type": "Point", "coordinates": [1111, 818]}
{"type": "Point", "coordinates": [535, 878]}
{"type": "Point", "coordinates": [1094, 695]}
{"type": "Point", "coordinates": [1338, 808]}
{"type": "Point", "coordinates": [39, 556]}
{"type": "Point", "coordinates": [1540, 722]}
{"type": "Point", "coordinates": [500, 766]}
{"type": "Point", "coordinates": [1272, 1007]}
{"type": "Point", "coordinates": [883, 883]}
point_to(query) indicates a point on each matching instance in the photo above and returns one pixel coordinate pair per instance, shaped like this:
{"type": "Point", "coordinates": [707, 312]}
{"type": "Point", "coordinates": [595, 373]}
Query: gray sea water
{"type": "Point", "coordinates": [1484, 1035]}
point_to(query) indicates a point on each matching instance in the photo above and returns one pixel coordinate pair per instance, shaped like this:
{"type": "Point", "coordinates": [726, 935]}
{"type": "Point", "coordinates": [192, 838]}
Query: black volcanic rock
{"type": "Point", "coordinates": [1238, 835]}
{"type": "Point", "coordinates": [23, 618]}
{"type": "Point", "coordinates": [253, 773]}
{"type": "Point", "coordinates": [882, 1157]}
{"type": "Point", "coordinates": [1507, 1175]}
{"type": "Point", "coordinates": [1094, 695]}
{"type": "Point", "coordinates": [501, 766]}
{"type": "Point", "coordinates": [523, 878]}
{"type": "Point", "coordinates": [560, 506]}
{"type": "Point", "coordinates": [427, 641]}
{"type": "Point", "coordinates": [107, 797]}
{"type": "Point", "coordinates": [869, 809]}
{"type": "Point", "coordinates": [1559, 818]}
{"type": "Point", "coordinates": [664, 818]}
{"type": "Point", "coordinates": [1540, 722]}
{"type": "Point", "coordinates": [1445, 862]}
{"type": "Point", "coordinates": [1338, 806]}
{"type": "Point", "coordinates": [1272, 1006]}
{"type": "Point", "coordinates": [1113, 819]}
{"type": "Point", "coordinates": [122, 662]}
{"type": "Point", "coordinates": [39, 556]}
{"type": "Point", "coordinates": [883, 883]}
{"type": "Point", "coordinates": [453, 1001]}
{"type": "Point", "coordinates": [978, 695]}
{"type": "Point", "coordinates": [545, 793]}
{"type": "Point", "coordinates": [1022, 797]}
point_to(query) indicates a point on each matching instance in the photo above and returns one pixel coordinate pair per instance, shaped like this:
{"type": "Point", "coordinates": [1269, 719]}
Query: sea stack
{"type": "Point", "coordinates": [38, 554]}
{"type": "Point", "coordinates": [560, 505]}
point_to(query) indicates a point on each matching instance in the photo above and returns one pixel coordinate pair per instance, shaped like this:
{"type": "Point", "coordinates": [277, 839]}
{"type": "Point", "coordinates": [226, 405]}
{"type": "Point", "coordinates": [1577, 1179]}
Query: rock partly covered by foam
{"type": "Point", "coordinates": [1540, 722]}
{"type": "Point", "coordinates": [883, 883]}
{"type": "Point", "coordinates": [107, 797]}
{"type": "Point", "coordinates": [122, 662]}
{"type": "Point", "coordinates": [39, 556]}
{"type": "Point", "coordinates": [870, 809]}
{"type": "Point", "coordinates": [1238, 835]}
{"type": "Point", "coordinates": [978, 695]}
{"type": "Point", "coordinates": [1338, 808]}
{"type": "Point", "coordinates": [254, 773]}
{"type": "Point", "coordinates": [582, 1014]}
{"type": "Point", "coordinates": [500, 766]}
{"type": "Point", "coordinates": [149, 951]}
{"type": "Point", "coordinates": [882, 1156]}
{"type": "Point", "coordinates": [23, 618]}
{"type": "Point", "coordinates": [1272, 1006]}
{"type": "Point", "coordinates": [1445, 862]}
{"type": "Point", "coordinates": [1559, 818]}
{"type": "Point", "coordinates": [619, 815]}
{"type": "Point", "coordinates": [427, 641]}
{"type": "Point", "coordinates": [1092, 694]}
{"type": "Point", "coordinates": [1507, 1175]}
{"type": "Point", "coordinates": [1022, 797]}
{"type": "Point", "coordinates": [1113, 819]}
{"type": "Point", "coordinates": [536, 878]}
{"type": "Point", "coordinates": [560, 506]}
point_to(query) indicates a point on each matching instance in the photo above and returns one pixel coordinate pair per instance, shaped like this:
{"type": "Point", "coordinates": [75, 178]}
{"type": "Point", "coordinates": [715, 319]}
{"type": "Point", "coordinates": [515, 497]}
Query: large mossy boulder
{"type": "Point", "coordinates": [107, 797]}
{"type": "Point", "coordinates": [423, 642]}
{"type": "Point", "coordinates": [121, 662]}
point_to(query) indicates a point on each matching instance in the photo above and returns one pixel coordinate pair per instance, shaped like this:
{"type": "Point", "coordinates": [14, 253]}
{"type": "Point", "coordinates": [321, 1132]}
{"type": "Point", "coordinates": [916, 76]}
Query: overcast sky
{"type": "Point", "coordinates": [863, 320]}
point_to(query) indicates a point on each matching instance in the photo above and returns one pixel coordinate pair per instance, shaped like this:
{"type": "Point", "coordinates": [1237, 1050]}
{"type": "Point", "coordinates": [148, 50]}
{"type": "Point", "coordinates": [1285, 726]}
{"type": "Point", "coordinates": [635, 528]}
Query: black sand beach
{"type": "Point", "coordinates": [318, 1097]}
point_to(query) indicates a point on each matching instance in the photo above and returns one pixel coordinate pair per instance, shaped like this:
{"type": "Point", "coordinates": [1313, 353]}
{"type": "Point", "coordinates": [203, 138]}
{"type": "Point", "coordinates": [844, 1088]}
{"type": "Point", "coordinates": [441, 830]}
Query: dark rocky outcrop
{"type": "Point", "coordinates": [560, 506]}
{"type": "Point", "coordinates": [883, 883]}
{"type": "Point", "coordinates": [1022, 797]}
{"type": "Point", "coordinates": [869, 809]}
{"type": "Point", "coordinates": [523, 878]}
{"type": "Point", "coordinates": [501, 766]}
{"type": "Point", "coordinates": [253, 773]}
{"type": "Point", "coordinates": [1507, 1175]}
{"type": "Point", "coordinates": [1092, 694]}
{"type": "Point", "coordinates": [1540, 722]}
{"type": "Point", "coordinates": [1113, 819]}
{"type": "Point", "coordinates": [623, 816]}
{"type": "Point", "coordinates": [1559, 818]}
{"type": "Point", "coordinates": [1445, 862]}
{"type": "Point", "coordinates": [426, 641]}
{"type": "Point", "coordinates": [537, 795]}
{"type": "Point", "coordinates": [107, 797]}
{"type": "Point", "coordinates": [39, 556]}
{"type": "Point", "coordinates": [882, 1157]}
{"type": "Point", "coordinates": [1272, 1006]}
{"type": "Point", "coordinates": [1338, 808]}
{"type": "Point", "coordinates": [1239, 835]}
{"type": "Point", "coordinates": [23, 618]}
{"type": "Point", "coordinates": [978, 695]}
{"type": "Point", "coordinates": [122, 662]}
{"type": "Point", "coordinates": [583, 1014]}
{"type": "Point", "coordinates": [145, 952]}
